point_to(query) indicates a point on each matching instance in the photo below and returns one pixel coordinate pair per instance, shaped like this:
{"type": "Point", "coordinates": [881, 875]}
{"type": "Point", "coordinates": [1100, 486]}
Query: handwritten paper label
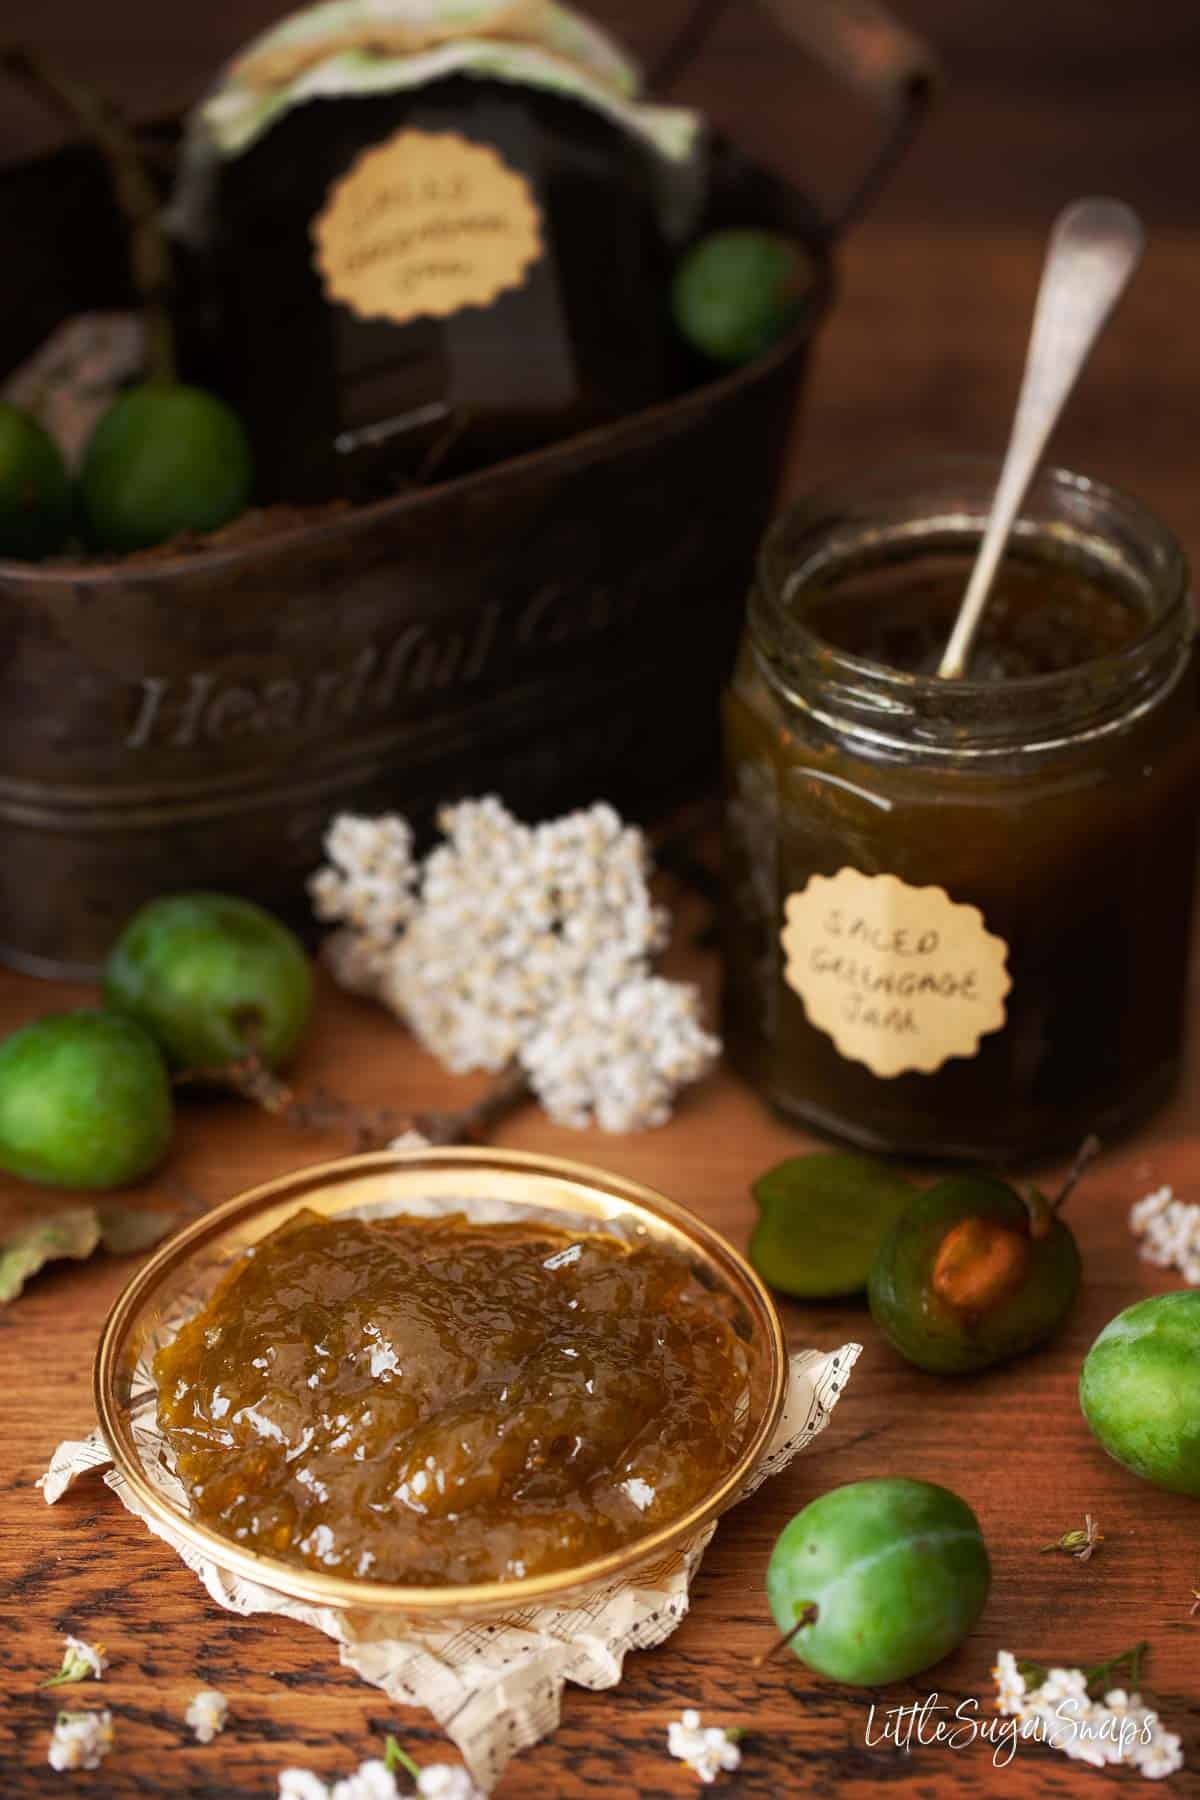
{"type": "Point", "coordinates": [901, 978]}
{"type": "Point", "coordinates": [424, 224]}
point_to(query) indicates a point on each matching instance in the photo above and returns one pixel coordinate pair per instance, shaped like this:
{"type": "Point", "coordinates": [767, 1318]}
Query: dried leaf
{"type": "Point", "coordinates": [126, 1229]}
{"type": "Point", "coordinates": [74, 1232]}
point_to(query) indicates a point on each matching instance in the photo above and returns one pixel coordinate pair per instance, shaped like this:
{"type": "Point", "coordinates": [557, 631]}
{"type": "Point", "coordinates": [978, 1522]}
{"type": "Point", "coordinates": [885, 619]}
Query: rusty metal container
{"type": "Point", "coordinates": [555, 628]}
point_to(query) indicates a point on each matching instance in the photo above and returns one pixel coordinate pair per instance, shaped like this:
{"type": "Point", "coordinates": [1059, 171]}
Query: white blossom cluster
{"type": "Point", "coordinates": [519, 942]}
{"type": "Point", "coordinates": [207, 1714]}
{"type": "Point", "coordinates": [1059, 1712]}
{"type": "Point", "coordinates": [706, 1750]}
{"type": "Point", "coordinates": [80, 1740]}
{"type": "Point", "coordinates": [1170, 1232]}
{"type": "Point", "coordinates": [375, 1781]}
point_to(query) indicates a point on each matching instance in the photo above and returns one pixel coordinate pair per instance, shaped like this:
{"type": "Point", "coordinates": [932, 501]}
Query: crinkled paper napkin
{"type": "Point", "coordinates": [494, 1686]}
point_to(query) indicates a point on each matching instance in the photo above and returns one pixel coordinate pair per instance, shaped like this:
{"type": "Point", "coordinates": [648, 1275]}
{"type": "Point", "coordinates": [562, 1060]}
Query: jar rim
{"type": "Point", "coordinates": [789, 645]}
{"type": "Point", "coordinates": [913, 471]}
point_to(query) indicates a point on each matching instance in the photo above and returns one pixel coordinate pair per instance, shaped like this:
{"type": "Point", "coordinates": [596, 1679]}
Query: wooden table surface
{"type": "Point", "coordinates": [922, 352]}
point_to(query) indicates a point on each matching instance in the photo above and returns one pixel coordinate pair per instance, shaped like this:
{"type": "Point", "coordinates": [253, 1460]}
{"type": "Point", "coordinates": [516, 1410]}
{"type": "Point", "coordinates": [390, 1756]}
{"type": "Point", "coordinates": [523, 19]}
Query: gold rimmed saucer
{"type": "Point", "coordinates": [180, 1276]}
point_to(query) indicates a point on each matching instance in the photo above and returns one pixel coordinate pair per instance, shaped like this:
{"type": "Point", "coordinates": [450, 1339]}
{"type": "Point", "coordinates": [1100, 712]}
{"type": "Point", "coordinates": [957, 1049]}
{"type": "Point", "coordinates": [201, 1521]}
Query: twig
{"type": "Point", "coordinates": [149, 251]}
{"type": "Point", "coordinates": [365, 1128]}
{"type": "Point", "coordinates": [472, 1124]}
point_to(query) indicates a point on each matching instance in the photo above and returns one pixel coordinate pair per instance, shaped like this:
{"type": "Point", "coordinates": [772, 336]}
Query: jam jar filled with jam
{"type": "Point", "coordinates": [957, 911]}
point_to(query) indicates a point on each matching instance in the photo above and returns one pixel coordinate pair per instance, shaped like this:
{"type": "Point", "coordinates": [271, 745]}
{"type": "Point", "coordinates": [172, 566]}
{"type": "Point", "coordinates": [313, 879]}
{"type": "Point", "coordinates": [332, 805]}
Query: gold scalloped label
{"type": "Point", "coordinates": [424, 224]}
{"type": "Point", "coordinates": [901, 978]}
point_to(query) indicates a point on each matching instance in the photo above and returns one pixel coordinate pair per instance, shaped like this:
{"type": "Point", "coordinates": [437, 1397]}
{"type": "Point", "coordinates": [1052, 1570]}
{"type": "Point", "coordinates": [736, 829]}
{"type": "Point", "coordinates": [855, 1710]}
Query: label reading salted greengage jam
{"type": "Point", "coordinates": [423, 225]}
{"type": "Point", "coordinates": [901, 978]}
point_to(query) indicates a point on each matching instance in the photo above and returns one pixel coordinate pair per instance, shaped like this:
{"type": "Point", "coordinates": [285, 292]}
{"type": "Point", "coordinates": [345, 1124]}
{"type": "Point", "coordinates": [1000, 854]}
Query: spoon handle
{"type": "Point", "coordinates": [1095, 245]}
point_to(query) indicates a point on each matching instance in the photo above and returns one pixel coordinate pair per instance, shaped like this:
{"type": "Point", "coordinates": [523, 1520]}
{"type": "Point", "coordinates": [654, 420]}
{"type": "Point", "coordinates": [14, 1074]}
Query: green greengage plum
{"type": "Point", "coordinates": [821, 1220]}
{"type": "Point", "coordinates": [35, 489]}
{"type": "Point", "coordinates": [211, 977]}
{"type": "Point", "coordinates": [971, 1274]}
{"type": "Point", "coordinates": [1140, 1390]}
{"type": "Point", "coordinates": [896, 1570]}
{"type": "Point", "coordinates": [85, 1101]}
{"type": "Point", "coordinates": [164, 458]}
{"type": "Point", "coordinates": [736, 292]}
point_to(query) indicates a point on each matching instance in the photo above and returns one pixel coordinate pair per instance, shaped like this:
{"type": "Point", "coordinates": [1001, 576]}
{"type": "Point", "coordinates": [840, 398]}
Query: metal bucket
{"type": "Point", "coordinates": [555, 628]}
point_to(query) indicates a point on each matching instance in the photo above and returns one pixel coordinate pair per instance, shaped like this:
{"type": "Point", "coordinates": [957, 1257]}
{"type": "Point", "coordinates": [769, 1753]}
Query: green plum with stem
{"type": "Point", "coordinates": [214, 979]}
{"type": "Point", "coordinates": [975, 1271]}
{"type": "Point", "coordinates": [879, 1579]}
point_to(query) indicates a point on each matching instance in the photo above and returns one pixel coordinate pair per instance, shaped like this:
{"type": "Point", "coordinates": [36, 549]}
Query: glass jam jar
{"type": "Point", "coordinates": [957, 912]}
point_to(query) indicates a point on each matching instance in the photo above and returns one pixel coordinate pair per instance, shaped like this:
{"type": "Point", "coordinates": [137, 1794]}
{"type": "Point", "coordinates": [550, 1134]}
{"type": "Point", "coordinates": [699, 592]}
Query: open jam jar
{"type": "Point", "coordinates": [957, 912]}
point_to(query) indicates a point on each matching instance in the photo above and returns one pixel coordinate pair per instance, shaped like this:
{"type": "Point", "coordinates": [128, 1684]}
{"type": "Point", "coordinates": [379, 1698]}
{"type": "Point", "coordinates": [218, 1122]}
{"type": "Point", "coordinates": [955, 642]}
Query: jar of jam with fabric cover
{"type": "Point", "coordinates": [433, 236]}
{"type": "Point", "coordinates": [958, 911]}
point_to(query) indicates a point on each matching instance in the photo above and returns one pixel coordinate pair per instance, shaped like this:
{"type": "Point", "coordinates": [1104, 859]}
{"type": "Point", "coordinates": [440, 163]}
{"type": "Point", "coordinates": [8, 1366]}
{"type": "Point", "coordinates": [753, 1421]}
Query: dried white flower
{"type": "Point", "coordinates": [526, 943]}
{"type": "Point", "coordinates": [1161, 1756]}
{"type": "Point", "coordinates": [707, 1750]}
{"type": "Point", "coordinates": [619, 1056]}
{"type": "Point", "coordinates": [1060, 1713]}
{"type": "Point", "coordinates": [207, 1714]}
{"type": "Point", "coordinates": [1169, 1230]}
{"type": "Point", "coordinates": [80, 1740]}
{"type": "Point", "coordinates": [301, 1784]}
{"type": "Point", "coordinates": [79, 1661]}
{"type": "Point", "coordinates": [446, 1781]}
{"type": "Point", "coordinates": [410, 1140]}
{"type": "Point", "coordinates": [368, 886]}
{"type": "Point", "coordinates": [375, 1780]}
{"type": "Point", "coordinates": [370, 875]}
{"type": "Point", "coordinates": [357, 963]}
{"type": "Point", "coordinates": [1063, 1684]}
{"type": "Point", "coordinates": [371, 1781]}
{"type": "Point", "coordinates": [1080, 1543]}
{"type": "Point", "coordinates": [1093, 1537]}
{"type": "Point", "coordinates": [1123, 1705]}
{"type": "Point", "coordinates": [1010, 1684]}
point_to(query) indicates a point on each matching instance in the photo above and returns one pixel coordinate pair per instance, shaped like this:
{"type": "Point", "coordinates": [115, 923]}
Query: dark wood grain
{"type": "Point", "coordinates": [1011, 1442]}
{"type": "Point", "coordinates": [923, 351]}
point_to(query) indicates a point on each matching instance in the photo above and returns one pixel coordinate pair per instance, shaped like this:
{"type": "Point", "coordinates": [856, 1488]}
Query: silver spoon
{"type": "Point", "coordinates": [1095, 245]}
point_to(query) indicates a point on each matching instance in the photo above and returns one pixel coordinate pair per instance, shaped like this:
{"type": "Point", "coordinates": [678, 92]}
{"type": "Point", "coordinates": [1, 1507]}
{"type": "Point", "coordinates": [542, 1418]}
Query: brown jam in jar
{"type": "Point", "coordinates": [436, 1401]}
{"type": "Point", "coordinates": [958, 912]}
{"type": "Point", "coordinates": [1040, 619]}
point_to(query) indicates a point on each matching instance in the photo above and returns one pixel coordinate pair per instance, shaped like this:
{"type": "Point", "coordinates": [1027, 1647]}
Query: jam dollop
{"type": "Point", "coordinates": [435, 1401]}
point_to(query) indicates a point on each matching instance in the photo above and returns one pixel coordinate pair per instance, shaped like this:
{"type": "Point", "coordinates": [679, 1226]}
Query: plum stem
{"type": "Point", "coordinates": [808, 1615]}
{"type": "Point", "coordinates": [1085, 1156]}
{"type": "Point", "coordinates": [149, 251]}
{"type": "Point", "coordinates": [1042, 1212]}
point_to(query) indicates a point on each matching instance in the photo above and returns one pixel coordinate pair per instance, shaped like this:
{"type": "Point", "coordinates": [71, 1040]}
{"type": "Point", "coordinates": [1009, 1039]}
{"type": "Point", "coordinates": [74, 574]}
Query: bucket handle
{"type": "Point", "coordinates": [864, 47]}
